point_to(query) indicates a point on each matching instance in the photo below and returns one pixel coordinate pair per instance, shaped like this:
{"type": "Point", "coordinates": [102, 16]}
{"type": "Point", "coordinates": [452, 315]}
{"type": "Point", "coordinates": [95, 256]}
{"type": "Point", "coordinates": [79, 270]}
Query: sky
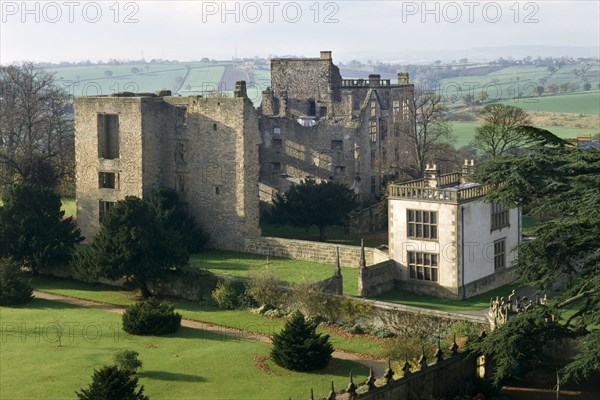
{"type": "Point", "coordinates": [72, 30]}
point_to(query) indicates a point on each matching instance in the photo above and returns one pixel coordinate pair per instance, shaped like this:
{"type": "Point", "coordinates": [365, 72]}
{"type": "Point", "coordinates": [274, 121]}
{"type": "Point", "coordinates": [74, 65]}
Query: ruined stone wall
{"type": "Point", "coordinates": [127, 167]}
{"type": "Point", "coordinates": [204, 148]}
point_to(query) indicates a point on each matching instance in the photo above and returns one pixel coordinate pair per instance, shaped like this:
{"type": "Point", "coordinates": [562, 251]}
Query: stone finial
{"type": "Point", "coordinates": [331, 395]}
{"type": "Point", "coordinates": [326, 55]}
{"type": "Point", "coordinates": [363, 260]}
{"type": "Point", "coordinates": [371, 379]}
{"type": "Point", "coordinates": [402, 78]}
{"type": "Point", "coordinates": [423, 359]}
{"type": "Point", "coordinates": [351, 386]}
{"type": "Point", "coordinates": [432, 175]}
{"type": "Point", "coordinates": [467, 170]}
{"type": "Point", "coordinates": [454, 347]}
{"type": "Point", "coordinates": [406, 367]}
{"type": "Point", "coordinates": [338, 266]}
{"type": "Point", "coordinates": [389, 373]}
{"type": "Point", "coordinates": [439, 354]}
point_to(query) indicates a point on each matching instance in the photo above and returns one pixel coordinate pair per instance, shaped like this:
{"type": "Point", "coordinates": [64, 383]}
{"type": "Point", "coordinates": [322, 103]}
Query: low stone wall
{"type": "Point", "coordinates": [406, 320]}
{"type": "Point", "coordinates": [377, 279]}
{"type": "Point", "coordinates": [332, 285]}
{"type": "Point", "coordinates": [501, 277]}
{"type": "Point", "coordinates": [324, 253]}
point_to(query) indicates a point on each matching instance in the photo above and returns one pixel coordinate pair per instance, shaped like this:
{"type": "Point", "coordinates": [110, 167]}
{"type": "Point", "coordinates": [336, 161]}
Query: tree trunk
{"type": "Point", "coordinates": [322, 234]}
{"type": "Point", "coordinates": [144, 289]}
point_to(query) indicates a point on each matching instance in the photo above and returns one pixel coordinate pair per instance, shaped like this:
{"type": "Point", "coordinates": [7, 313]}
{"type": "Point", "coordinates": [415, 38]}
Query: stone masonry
{"type": "Point", "coordinates": [204, 148]}
{"type": "Point", "coordinates": [315, 124]}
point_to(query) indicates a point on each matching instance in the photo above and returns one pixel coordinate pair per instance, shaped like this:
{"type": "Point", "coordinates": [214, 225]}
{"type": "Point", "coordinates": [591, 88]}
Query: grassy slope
{"type": "Point", "coordinates": [289, 271]}
{"type": "Point", "coordinates": [188, 364]}
{"type": "Point", "coordinates": [238, 319]}
{"type": "Point", "coordinates": [578, 103]}
{"type": "Point", "coordinates": [474, 303]}
{"type": "Point", "coordinates": [465, 132]}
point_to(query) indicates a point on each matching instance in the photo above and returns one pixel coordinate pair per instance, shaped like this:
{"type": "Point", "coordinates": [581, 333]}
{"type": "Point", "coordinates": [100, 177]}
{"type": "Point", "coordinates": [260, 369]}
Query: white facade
{"type": "Point", "coordinates": [466, 255]}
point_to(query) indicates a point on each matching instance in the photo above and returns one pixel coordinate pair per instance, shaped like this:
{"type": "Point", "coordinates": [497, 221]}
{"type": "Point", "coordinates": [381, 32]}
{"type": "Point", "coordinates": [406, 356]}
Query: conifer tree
{"type": "Point", "coordinates": [14, 289]}
{"type": "Point", "coordinates": [110, 383]}
{"type": "Point", "coordinates": [299, 347]}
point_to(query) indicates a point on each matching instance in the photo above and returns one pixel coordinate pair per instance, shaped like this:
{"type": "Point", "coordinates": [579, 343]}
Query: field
{"type": "Point", "coordinates": [288, 271]}
{"type": "Point", "coordinates": [578, 103]}
{"type": "Point", "coordinates": [465, 132]}
{"type": "Point", "coordinates": [188, 364]}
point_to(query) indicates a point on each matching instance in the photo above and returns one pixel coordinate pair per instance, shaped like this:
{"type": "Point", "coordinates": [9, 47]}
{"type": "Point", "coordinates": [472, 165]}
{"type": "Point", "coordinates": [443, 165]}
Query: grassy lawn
{"type": "Point", "coordinates": [238, 319]}
{"type": "Point", "coordinates": [475, 303]}
{"type": "Point", "coordinates": [189, 364]}
{"type": "Point", "coordinates": [289, 271]}
{"type": "Point", "coordinates": [69, 206]}
{"type": "Point", "coordinates": [334, 234]}
{"type": "Point", "coordinates": [578, 103]}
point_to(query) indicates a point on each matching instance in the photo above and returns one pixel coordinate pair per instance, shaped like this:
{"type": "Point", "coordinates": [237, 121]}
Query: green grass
{"type": "Point", "coordinates": [578, 103]}
{"type": "Point", "coordinates": [189, 364]}
{"type": "Point", "coordinates": [237, 319]}
{"type": "Point", "coordinates": [475, 303]}
{"type": "Point", "coordinates": [465, 132]}
{"type": "Point", "coordinates": [69, 206]}
{"type": "Point", "coordinates": [289, 271]}
{"type": "Point", "coordinates": [334, 234]}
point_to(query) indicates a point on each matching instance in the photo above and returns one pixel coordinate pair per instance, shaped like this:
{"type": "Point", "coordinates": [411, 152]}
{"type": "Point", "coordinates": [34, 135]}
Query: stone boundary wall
{"type": "Point", "coordinates": [487, 283]}
{"type": "Point", "coordinates": [446, 378]}
{"type": "Point", "coordinates": [407, 320]}
{"type": "Point", "coordinates": [324, 253]}
{"type": "Point", "coordinates": [377, 279]}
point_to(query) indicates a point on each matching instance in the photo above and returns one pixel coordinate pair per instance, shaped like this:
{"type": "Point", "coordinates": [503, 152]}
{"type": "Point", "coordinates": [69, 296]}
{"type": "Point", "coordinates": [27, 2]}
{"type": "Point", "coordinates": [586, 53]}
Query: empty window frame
{"type": "Point", "coordinates": [337, 145]}
{"type": "Point", "coordinates": [104, 206]}
{"type": "Point", "coordinates": [108, 136]}
{"type": "Point", "coordinates": [277, 143]}
{"type": "Point", "coordinates": [107, 180]}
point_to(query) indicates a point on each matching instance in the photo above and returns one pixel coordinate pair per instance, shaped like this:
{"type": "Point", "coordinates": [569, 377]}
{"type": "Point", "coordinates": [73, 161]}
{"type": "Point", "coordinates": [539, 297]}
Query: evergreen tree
{"type": "Point", "coordinates": [310, 203]}
{"type": "Point", "coordinates": [112, 383]}
{"type": "Point", "coordinates": [134, 244]}
{"type": "Point", "coordinates": [14, 289]}
{"type": "Point", "coordinates": [299, 347]}
{"type": "Point", "coordinates": [151, 317]}
{"type": "Point", "coordinates": [564, 255]}
{"type": "Point", "coordinates": [172, 213]}
{"type": "Point", "coordinates": [33, 230]}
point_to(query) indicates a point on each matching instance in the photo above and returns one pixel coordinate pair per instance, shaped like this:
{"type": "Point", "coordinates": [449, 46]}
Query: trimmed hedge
{"type": "Point", "coordinates": [151, 317]}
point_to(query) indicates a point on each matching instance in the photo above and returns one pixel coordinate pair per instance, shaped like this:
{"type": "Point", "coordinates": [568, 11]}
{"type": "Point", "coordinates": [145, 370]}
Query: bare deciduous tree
{"type": "Point", "coordinates": [36, 126]}
{"type": "Point", "coordinates": [501, 132]}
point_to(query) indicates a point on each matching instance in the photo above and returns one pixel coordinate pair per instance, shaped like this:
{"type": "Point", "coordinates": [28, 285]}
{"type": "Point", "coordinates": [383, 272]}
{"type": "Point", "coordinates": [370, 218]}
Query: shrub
{"type": "Point", "coordinates": [14, 289]}
{"type": "Point", "coordinates": [264, 288]}
{"type": "Point", "coordinates": [151, 317]}
{"type": "Point", "coordinates": [227, 294]}
{"type": "Point", "coordinates": [127, 360]}
{"type": "Point", "coordinates": [299, 347]}
{"type": "Point", "coordinates": [110, 383]}
{"type": "Point", "coordinates": [85, 263]}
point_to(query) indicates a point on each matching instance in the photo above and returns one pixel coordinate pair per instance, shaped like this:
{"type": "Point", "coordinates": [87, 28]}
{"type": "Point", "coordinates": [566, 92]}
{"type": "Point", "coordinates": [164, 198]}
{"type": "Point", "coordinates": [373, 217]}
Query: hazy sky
{"type": "Point", "coordinates": [188, 30]}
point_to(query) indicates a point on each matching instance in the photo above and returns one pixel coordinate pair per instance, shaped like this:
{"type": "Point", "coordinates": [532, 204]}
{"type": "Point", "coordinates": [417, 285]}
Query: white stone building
{"type": "Point", "coordinates": [446, 241]}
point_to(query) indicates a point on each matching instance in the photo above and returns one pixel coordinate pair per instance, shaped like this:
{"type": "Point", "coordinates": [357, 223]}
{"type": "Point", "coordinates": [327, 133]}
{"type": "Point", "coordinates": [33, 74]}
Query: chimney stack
{"type": "Point", "coordinates": [326, 55]}
{"type": "Point", "coordinates": [402, 78]}
{"type": "Point", "coordinates": [374, 80]}
{"type": "Point", "coordinates": [240, 89]}
{"type": "Point", "coordinates": [468, 169]}
{"type": "Point", "coordinates": [432, 174]}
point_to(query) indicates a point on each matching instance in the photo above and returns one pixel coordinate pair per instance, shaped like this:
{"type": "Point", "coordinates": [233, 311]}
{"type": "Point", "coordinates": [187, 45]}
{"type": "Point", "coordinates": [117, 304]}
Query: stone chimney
{"type": "Point", "coordinates": [402, 78]}
{"type": "Point", "coordinates": [374, 80]}
{"type": "Point", "coordinates": [240, 89]}
{"type": "Point", "coordinates": [468, 169]}
{"type": "Point", "coordinates": [432, 175]}
{"type": "Point", "coordinates": [267, 105]}
{"type": "Point", "coordinates": [325, 55]}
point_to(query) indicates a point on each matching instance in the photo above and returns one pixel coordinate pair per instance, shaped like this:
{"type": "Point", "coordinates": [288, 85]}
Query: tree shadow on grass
{"type": "Point", "coordinates": [171, 376]}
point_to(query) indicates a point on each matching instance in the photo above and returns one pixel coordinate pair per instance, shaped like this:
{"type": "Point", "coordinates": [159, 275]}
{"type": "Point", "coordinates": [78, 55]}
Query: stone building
{"type": "Point", "coordinates": [315, 124]}
{"type": "Point", "coordinates": [445, 240]}
{"type": "Point", "coordinates": [206, 148]}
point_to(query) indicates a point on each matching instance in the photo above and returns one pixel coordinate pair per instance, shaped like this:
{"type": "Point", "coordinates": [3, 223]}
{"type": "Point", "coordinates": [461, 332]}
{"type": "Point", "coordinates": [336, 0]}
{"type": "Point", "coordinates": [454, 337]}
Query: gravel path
{"type": "Point", "coordinates": [379, 366]}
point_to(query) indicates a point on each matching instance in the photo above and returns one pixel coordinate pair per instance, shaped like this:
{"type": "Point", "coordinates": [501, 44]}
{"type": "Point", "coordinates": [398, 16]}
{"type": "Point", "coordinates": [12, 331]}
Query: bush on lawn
{"type": "Point", "coordinates": [110, 383]}
{"type": "Point", "coordinates": [151, 317]}
{"type": "Point", "coordinates": [228, 293]}
{"type": "Point", "coordinates": [14, 288]}
{"type": "Point", "coordinates": [264, 287]}
{"type": "Point", "coordinates": [127, 360]}
{"type": "Point", "coordinates": [299, 347]}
